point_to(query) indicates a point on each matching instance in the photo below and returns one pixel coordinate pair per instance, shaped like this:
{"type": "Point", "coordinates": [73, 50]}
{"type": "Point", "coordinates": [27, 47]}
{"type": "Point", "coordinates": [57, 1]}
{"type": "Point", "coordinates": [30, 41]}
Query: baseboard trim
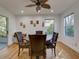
{"type": "Point", "coordinates": [11, 45]}
{"type": "Point", "coordinates": [69, 48]}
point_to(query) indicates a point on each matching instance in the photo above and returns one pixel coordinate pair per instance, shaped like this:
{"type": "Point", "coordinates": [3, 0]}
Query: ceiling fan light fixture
{"type": "Point", "coordinates": [39, 4]}
{"type": "Point", "coordinates": [39, 11]}
{"type": "Point", "coordinates": [22, 11]}
{"type": "Point", "coordinates": [51, 11]}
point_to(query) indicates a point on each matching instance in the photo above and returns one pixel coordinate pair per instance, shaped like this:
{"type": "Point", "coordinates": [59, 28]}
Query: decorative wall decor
{"type": "Point", "coordinates": [37, 22]}
{"type": "Point", "coordinates": [23, 26]}
{"type": "Point", "coordinates": [31, 22]}
{"type": "Point", "coordinates": [34, 23]}
{"type": "Point", "coordinates": [42, 24]}
{"type": "Point", "coordinates": [21, 23]}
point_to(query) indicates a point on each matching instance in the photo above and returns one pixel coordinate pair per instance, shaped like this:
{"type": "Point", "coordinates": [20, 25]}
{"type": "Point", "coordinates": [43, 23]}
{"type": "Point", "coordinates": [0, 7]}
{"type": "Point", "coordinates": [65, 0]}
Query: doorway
{"type": "Point", "coordinates": [3, 31]}
{"type": "Point", "coordinates": [49, 28]}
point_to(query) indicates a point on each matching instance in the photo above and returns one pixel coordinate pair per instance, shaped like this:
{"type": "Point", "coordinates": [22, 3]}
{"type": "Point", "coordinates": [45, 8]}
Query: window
{"type": "Point", "coordinates": [3, 28]}
{"type": "Point", "coordinates": [69, 25]}
{"type": "Point", "coordinates": [49, 26]}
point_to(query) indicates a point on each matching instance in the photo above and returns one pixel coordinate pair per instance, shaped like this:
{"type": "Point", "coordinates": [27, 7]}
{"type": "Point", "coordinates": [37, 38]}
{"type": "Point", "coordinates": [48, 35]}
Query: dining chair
{"type": "Point", "coordinates": [52, 42]}
{"type": "Point", "coordinates": [39, 32]}
{"type": "Point", "coordinates": [22, 44]}
{"type": "Point", "coordinates": [37, 45]}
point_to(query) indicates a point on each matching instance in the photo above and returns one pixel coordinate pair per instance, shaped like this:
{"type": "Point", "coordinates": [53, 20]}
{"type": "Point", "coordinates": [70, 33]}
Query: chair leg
{"type": "Point", "coordinates": [55, 51]}
{"type": "Point", "coordinates": [30, 52]}
{"type": "Point", "coordinates": [44, 56]}
{"type": "Point", "coordinates": [22, 49]}
{"type": "Point", "coordinates": [19, 51]}
{"type": "Point", "coordinates": [31, 56]}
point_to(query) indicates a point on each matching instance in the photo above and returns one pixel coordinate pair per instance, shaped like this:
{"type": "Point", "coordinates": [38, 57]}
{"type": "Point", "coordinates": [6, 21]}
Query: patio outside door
{"type": "Point", "coordinates": [3, 31]}
{"type": "Point", "coordinates": [49, 28]}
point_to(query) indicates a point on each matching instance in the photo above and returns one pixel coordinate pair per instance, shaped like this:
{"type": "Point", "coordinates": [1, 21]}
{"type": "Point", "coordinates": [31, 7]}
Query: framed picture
{"type": "Point", "coordinates": [42, 24]}
{"type": "Point", "coordinates": [24, 26]}
{"type": "Point", "coordinates": [37, 22]}
{"type": "Point", "coordinates": [21, 23]}
{"type": "Point", "coordinates": [34, 25]}
{"type": "Point", "coordinates": [31, 22]}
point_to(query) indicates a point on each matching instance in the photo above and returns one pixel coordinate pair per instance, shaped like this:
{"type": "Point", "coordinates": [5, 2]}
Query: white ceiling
{"type": "Point", "coordinates": [15, 6]}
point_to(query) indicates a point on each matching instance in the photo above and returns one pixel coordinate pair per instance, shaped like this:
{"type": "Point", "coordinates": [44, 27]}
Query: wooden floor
{"type": "Point", "coordinates": [63, 52]}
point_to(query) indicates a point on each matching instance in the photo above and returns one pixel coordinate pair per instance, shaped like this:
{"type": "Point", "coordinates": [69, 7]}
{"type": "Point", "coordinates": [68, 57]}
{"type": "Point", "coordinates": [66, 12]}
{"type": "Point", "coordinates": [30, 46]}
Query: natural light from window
{"type": "Point", "coordinates": [49, 22]}
{"type": "Point", "coordinates": [69, 25]}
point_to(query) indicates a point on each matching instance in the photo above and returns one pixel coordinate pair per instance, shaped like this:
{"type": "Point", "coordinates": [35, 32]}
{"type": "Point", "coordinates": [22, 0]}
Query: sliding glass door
{"type": "Point", "coordinates": [49, 28]}
{"type": "Point", "coordinates": [3, 29]}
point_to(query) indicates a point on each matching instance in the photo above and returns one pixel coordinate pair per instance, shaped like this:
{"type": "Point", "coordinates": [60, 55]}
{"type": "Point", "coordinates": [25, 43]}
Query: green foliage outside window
{"type": "Point", "coordinates": [2, 26]}
{"type": "Point", "coordinates": [69, 25]}
{"type": "Point", "coordinates": [69, 31]}
{"type": "Point", "coordinates": [50, 29]}
{"type": "Point", "coordinates": [49, 26]}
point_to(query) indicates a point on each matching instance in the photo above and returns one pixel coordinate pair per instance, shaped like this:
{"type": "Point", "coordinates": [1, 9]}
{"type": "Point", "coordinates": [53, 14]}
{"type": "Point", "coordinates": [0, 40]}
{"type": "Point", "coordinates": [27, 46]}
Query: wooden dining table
{"type": "Point", "coordinates": [37, 57]}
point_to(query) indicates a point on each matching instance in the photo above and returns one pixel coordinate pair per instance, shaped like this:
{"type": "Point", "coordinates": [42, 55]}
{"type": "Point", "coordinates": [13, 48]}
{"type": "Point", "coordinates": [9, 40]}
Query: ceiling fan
{"type": "Point", "coordinates": [39, 4]}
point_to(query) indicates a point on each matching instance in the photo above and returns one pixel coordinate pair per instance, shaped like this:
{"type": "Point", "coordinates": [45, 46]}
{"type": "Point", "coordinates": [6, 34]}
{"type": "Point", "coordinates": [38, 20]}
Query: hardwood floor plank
{"type": "Point", "coordinates": [63, 52]}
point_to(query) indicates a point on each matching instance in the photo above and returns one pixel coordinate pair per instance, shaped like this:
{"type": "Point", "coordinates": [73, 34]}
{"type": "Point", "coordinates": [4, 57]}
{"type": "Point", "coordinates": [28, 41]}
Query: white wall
{"type": "Point", "coordinates": [71, 42]}
{"type": "Point", "coordinates": [14, 23]}
{"type": "Point", "coordinates": [29, 27]}
{"type": "Point", "coordinates": [11, 25]}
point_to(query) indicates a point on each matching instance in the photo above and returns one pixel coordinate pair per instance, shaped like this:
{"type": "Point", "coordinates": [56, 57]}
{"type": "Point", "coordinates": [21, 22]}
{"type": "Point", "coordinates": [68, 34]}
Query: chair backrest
{"type": "Point", "coordinates": [37, 42]}
{"type": "Point", "coordinates": [19, 37]}
{"type": "Point", "coordinates": [39, 32]}
{"type": "Point", "coordinates": [55, 37]}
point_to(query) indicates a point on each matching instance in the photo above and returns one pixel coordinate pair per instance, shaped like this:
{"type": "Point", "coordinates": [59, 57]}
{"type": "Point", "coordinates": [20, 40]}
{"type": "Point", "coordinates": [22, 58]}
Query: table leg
{"type": "Point", "coordinates": [37, 57]}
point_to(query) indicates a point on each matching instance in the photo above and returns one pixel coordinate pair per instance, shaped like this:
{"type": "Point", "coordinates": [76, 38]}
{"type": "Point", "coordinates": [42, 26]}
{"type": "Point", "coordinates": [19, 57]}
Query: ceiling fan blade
{"type": "Point", "coordinates": [46, 6]}
{"type": "Point", "coordinates": [43, 1]}
{"type": "Point", "coordinates": [35, 1]}
{"type": "Point", "coordinates": [31, 5]}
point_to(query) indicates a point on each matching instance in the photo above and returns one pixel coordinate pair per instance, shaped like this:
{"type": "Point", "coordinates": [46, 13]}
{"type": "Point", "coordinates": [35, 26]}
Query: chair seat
{"type": "Point", "coordinates": [28, 44]}
{"type": "Point", "coordinates": [50, 46]}
{"type": "Point", "coordinates": [52, 43]}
